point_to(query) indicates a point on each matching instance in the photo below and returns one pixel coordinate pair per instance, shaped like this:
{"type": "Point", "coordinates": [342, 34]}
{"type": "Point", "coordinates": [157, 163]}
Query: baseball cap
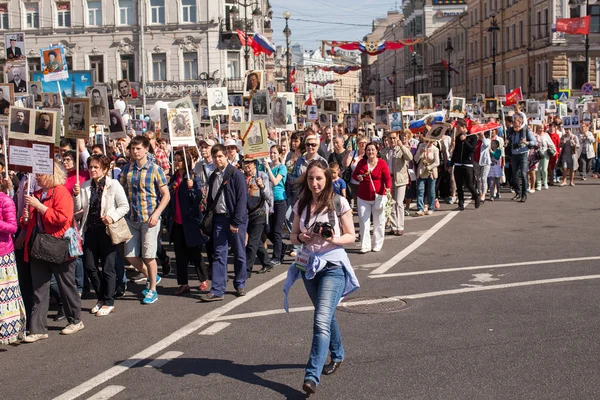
{"type": "Point", "coordinates": [209, 142]}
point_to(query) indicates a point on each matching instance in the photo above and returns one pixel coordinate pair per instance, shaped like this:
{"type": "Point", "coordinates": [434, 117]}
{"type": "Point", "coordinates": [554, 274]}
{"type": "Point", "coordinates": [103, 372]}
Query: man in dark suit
{"type": "Point", "coordinates": [4, 104]}
{"type": "Point", "coordinates": [236, 117]}
{"type": "Point", "coordinates": [13, 51]}
{"type": "Point", "coordinates": [42, 126]}
{"type": "Point", "coordinates": [19, 125]}
{"type": "Point", "coordinates": [20, 84]}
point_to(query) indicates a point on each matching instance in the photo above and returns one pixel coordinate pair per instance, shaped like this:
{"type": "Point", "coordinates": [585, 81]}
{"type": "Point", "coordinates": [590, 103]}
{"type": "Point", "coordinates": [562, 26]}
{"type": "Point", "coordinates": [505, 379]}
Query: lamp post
{"type": "Point", "coordinates": [449, 49]}
{"type": "Point", "coordinates": [493, 29]}
{"type": "Point", "coordinates": [414, 65]}
{"type": "Point", "coordinates": [288, 65]}
{"type": "Point", "coordinates": [575, 4]}
{"type": "Point", "coordinates": [255, 13]}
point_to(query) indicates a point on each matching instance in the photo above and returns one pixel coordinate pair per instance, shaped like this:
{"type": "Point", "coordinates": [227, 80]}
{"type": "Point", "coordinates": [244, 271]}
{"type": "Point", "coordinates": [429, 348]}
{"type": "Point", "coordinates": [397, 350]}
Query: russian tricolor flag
{"type": "Point", "coordinates": [418, 125]}
{"type": "Point", "coordinates": [259, 43]}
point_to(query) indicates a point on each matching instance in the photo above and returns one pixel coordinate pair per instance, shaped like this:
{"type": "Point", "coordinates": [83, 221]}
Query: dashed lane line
{"type": "Point", "coordinates": [215, 328]}
{"type": "Point", "coordinates": [107, 393]}
{"type": "Point", "coordinates": [162, 360]}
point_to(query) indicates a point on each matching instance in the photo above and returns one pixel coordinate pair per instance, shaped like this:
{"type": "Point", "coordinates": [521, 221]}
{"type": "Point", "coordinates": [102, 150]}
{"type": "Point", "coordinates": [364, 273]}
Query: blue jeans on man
{"type": "Point", "coordinates": [520, 165]}
{"type": "Point", "coordinates": [222, 238]}
{"type": "Point", "coordinates": [325, 291]}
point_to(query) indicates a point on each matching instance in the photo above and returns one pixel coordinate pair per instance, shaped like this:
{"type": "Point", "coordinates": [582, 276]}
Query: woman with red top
{"type": "Point", "coordinates": [554, 159]}
{"type": "Point", "coordinates": [373, 176]}
{"type": "Point", "coordinates": [50, 210]}
{"type": "Point", "coordinates": [68, 159]}
{"type": "Point", "coordinates": [186, 197]}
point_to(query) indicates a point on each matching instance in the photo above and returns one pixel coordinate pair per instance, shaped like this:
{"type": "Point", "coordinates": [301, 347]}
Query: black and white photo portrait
{"type": "Point", "coordinates": [218, 101]}
{"type": "Point", "coordinates": [350, 124]}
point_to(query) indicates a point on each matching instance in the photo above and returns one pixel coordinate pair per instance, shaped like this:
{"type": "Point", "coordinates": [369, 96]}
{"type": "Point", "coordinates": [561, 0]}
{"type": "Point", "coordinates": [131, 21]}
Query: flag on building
{"type": "Point", "coordinates": [573, 26]}
{"type": "Point", "coordinates": [513, 96]}
{"type": "Point", "coordinates": [292, 78]}
{"type": "Point", "coordinates": [389, 80]}
{"type": "Point", "coordinates": [310, 101]}
{"type": "Point", "coordinates": [449, 67]}
{"type": "Point", "coordinates": [259, 43]}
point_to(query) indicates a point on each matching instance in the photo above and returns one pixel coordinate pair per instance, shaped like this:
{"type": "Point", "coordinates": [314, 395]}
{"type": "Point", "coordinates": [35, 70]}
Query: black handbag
{"type": "Point", "coordinates": [206, 224]}
{"type": "Point", "coordinates": [49, 248]}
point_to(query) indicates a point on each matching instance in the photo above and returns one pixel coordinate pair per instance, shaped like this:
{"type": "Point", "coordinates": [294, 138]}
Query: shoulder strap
{"type": "Point", "coordinates": [225, 180]}
{"type": "Point", "coordinates": [337, 209]}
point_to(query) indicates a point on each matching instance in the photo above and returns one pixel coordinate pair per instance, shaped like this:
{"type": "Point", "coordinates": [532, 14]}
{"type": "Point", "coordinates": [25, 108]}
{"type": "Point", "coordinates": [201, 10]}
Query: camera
{"type": "Point", "coordinates": [516, 145]}
{"type": "Point", "coordinates": [324, 228]}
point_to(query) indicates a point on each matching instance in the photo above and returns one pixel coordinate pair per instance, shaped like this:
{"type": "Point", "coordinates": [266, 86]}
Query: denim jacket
{"type": "Point", "coordinates": [316, 264]}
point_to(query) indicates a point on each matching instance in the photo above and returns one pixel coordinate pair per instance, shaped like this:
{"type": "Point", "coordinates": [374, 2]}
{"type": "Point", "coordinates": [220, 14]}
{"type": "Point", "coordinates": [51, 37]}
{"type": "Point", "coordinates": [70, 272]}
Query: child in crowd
{"type": "Point", "coordinates": [339, 186]}
{"type": "Point", "coordinates": [495, 171]}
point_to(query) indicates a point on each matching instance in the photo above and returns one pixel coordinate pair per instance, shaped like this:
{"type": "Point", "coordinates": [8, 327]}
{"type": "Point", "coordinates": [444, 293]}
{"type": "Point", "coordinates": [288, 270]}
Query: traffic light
{"type": "Point", "coordinates": [553, 88]}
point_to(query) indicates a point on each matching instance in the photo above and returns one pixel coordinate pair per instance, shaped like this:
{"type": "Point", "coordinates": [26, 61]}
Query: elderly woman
{"type": "Point", "coordinates": [585, 153]}
{"type": "Point", "coordinates": [375, 180]}
{"type": "Point", "coordinates": [103, 202]}
{"type": "Point", "coordinates": [568, 157]}
{"type": "Point", "coordinates": [50, 210]}
{"type": "Point", "coordinates": [428, 161]}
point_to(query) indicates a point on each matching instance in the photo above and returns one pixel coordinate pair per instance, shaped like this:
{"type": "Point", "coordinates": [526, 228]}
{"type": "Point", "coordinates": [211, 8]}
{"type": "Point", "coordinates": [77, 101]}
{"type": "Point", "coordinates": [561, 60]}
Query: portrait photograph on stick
{"type": "Point", "coordinates": [350, 124]}
{"type": "Point", "coordinates": [381, 117]}
{"type": "Point", "coordinates": [116, 127]}
{"type": "Point", "coordinates": [17, 76]}
{"type": "Point", "coordinates": [218, 101]}
{"type": "Point", "coordinates": [279, 112]}
{"type": "Point", "coordinates": [253, 81]}
{"type": "Point", "coordinates": [14, 43]}
{"type": "Point", "coordinates": [6, 99]}
{"type": "Point", "coordinates": [77, 118]}
{"type": "Point", "coordinates": [99, 114]}
{"type": "Point", "coordinates": [181, 127]}
{"type": "Point", "coordinates": [46, 126]}
{"type": "Point", "coordinates": [53, 63]}
{"type": "Point", "coordinates": [20, 121]}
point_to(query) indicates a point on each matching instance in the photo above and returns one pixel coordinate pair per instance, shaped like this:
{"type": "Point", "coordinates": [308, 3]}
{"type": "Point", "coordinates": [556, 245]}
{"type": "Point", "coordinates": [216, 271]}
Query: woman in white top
{"type": "Point", "coordinates": [428, 161]}
{"type": "Point", "coordinates": [585, 153]}
{"type": "Point", "coordinates": [103, 202]}
{"type": "Point", "coordinates": [546, 150]}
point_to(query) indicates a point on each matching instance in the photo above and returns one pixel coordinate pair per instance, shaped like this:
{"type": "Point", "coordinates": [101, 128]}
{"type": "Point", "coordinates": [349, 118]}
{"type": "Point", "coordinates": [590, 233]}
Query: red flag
{"type": "Point", "coordinates": [574, 26]}
{"type": "Point", "coordinates": [310, 101]}
{"type": "Point", "coordinates": [513, 96]}
{"type": "Point", "coordinates": [483, 127]}
{"type": "Point", "coordinates": [449, 67]}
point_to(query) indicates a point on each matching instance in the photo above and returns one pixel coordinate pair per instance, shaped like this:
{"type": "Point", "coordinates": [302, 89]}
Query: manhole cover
{"type": "Point", "coordinates": [373, 305]}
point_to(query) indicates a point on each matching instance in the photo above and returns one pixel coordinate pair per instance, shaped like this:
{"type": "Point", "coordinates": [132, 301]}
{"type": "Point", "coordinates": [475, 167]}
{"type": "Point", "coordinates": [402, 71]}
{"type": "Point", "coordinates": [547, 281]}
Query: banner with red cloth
{"type": "Point", "coordinates": [513, 96]}
{"type": "Point", "coordinates": [574, 26]}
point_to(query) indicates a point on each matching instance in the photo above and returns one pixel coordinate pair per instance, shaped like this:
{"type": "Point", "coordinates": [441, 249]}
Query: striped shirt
{"type": "Point", "coordinates": [142, 186]}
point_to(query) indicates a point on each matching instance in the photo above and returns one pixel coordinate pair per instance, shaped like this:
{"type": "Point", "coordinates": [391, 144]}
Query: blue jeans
{"type": "Point", "coordinates": [79, 274]}
{"type": "Point", "coordinates": [421, 182]}
{"type": "Point", "coordinates": [520, 165]}
{"type": "Point", "coordinates": [222, 238]}
{"type": "Point", "coordinates": [325, 291]}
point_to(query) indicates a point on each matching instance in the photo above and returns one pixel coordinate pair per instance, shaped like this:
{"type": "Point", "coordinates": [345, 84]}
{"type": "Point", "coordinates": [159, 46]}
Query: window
{"type": "Point", "coordinates": [539, 24]}
{"type": "Point", "coordinates": [508, 39]}
{"type": "Point", "coordinates": [520, 33]}
{"type": "Point", "coordinates": [545, 22]}
{"type": "Point", "coordinates": [538, 77]}
{"type": "Point", "coordinates": [476, 88]}
{"type": "Point", "coordinates": [94, 13]}
{"type": "Point", "coordinates": [575, 12]}
{"type": "Point", "coordinates": [32, 15]}
{"type": "Point", "coordinates": [125, 12]}
{"type": "Point", "coordinates": [485, 47]}
{"type": "Point", "coordinates": [578, 77]}
{"type": "Point", "coordinates": [507, 81]}
{"type": "Point", "coordinates": [190, 66]}
{"type": "Point", "coordinates": [514, 36]}
{"type": "Point", "coordinates": [159, 67]}
{"type": "Point", "coordinates": [594, 12]}
{"type": "Point", "coordinates": [233, 64]}
{"type": "Point", "coordinates": [34, 63]}
{"type": "Point", "coordinates": [514, 79]}
{"type": "Point", "coordinates": [63, 14]}
{"type": "Point", "coordinates": [485, 14]}
{"type": "Point", "coordinates": [485, 84]}
{"type": "Point", "coordinates": [128, 67]}
{"type": "Point", "coordinates": [157, 11]}
{"type": "Point", "coordinates": [188, 11]}
{"type": "Point", "coordinates": [471, 53]}
{"type": "Point", "coordinates": [521, 77]}
{"type": "Point", "coordinates": [97, 67]}
{"type": "Point", "coordinates": [476, 50]}
{"type": "Point", "coordinates": [69, 60]}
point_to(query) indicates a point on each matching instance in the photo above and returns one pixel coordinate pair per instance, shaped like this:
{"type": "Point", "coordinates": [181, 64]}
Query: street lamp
{"type": "Point", "coordinates": [575, 4]}
{"type": "Point", "coordinates": [493, 29]}
{"type": "Point", "coordinates": [288, 65]}
{"type": "Point", "coordinates": [255, 13]}
{"type": "Point", "coordinates": [414, 64]}
{"type": "Point", "coordinates": [449, 49]}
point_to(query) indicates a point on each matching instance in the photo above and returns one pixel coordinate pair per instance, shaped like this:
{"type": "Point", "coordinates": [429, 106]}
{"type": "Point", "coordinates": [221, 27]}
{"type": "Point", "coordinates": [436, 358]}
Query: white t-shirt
{"type": "Point", "coordinates": [355, 159]}
{"type": "Point", "coordinates": [318, 244]}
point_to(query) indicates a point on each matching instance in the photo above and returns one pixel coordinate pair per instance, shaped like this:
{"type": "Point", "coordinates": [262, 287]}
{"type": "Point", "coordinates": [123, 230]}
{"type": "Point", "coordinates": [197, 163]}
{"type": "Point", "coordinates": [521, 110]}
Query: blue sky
{"type": "Point", "coordinates": [333, 12]}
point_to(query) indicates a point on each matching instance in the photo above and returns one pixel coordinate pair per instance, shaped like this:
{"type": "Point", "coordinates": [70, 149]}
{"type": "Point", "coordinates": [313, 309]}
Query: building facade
{"type": "Point", "coordinates": [173, 47]}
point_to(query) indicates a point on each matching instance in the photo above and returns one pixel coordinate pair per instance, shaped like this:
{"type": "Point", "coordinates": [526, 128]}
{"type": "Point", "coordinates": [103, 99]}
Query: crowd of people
{"type": "Point", "coordinates": [211, 201]}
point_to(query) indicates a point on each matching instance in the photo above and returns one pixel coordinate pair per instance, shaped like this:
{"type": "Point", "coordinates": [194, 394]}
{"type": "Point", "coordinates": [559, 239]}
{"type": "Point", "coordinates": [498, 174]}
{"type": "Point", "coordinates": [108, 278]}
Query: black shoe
{"type": "Point", "coordinates": [284, 250]}
{"type": "Point", "coordinates": [120, 292]}
{"type": "Point", "coordinates": [240, 292]}
{"type": "Point", "coordinates": [523, 199]}
{"type": "Point", "coordinates": [477, 204]}
{"type": "Point", "coordinates": [211, 297]}
{"type": "Point", "coordinates": [331, 367]}
{"type": "Point", "coordinates": [266, 268]}
{"type": "Point", "coordinates": [60, 315]}
{"type": "Point", "coordinates": [517, 197]}
{"type": "Point", "coordinates": [166, 266]}
{"type": "Point", "coordinates": [460, 208]}
{"type": "Point", "coordinates": [309, 387]}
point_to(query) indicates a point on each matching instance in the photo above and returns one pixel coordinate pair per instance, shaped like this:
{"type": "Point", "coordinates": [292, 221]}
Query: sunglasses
{"type": "Point", "coordinates": [312, 144]}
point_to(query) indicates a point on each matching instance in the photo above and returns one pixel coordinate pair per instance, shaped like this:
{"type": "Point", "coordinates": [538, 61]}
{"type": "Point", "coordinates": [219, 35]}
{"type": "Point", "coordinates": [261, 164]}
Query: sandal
{"type": "Point", "coordinates": [97, 307]}
{"type": "Point", "coordinates": [105, 310]}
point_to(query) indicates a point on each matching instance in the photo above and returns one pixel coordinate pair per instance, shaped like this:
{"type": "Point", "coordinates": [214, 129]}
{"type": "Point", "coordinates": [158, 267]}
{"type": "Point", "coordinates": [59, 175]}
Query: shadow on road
{"type": "Point", "coordinates": [181, 367]}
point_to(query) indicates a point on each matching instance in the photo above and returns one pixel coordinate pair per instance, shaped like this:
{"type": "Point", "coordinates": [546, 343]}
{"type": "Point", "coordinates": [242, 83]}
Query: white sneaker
{"type": "Point", "coordinates": [35, 337]}
{"type": "Point", "coordinates": [429, 212]}
{"type": "Point", "coordinates": [531, 191]}
{"type": "Point", "coordinates": [72, 328]}
{"type": "Point", "coordinates": [545, 186]}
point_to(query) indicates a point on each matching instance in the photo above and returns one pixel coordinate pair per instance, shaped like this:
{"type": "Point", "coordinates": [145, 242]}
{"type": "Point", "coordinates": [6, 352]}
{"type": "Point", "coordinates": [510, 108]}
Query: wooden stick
{"type": "Point", "coordinates": [5, 151]}
{"type": "Point", "coordinates": [77, 165]}
{"type": "Point", "coordinates": [29, 184]}
{"type": "Point", "coordinates": [185, 163]}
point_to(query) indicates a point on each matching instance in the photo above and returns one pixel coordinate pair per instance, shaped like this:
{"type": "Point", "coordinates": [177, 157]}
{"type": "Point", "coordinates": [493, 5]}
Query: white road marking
{"type": "Point", "coordinates": [179, 334]}
{"type": "Point", "coordinates": [475, 288]}
{"type": "Point", "coordinates": [367, 266]}
{"type": "Point", "coordinates": [516, 264]}
{"type": "Point", "coordinates": [416, 244]}
{"type": "Point", "coordinates": [107, 393]}
{"type": "Point", "coordinates": [162, 360]}
{"type": "Point", "coordinates": [215, 328]}
{"type": "Point", "coordinates": [483, 278]}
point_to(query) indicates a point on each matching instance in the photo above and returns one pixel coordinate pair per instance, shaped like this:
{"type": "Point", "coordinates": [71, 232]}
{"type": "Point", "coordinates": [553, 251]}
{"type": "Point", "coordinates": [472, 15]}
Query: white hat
{"type": "Point", "coordinates": [231, 142]}
{"type": "Point", "coordinates": [209, 142]}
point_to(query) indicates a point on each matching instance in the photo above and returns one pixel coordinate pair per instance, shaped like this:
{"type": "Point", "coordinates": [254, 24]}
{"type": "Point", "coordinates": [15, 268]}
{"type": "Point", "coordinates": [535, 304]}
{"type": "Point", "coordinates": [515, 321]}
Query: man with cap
{"type": "Point", "coordinates": [233, 150]}
{"type": "Point", "coordinates": [13, 51]}
{"type": "Point", "coordinates": [53, 65]}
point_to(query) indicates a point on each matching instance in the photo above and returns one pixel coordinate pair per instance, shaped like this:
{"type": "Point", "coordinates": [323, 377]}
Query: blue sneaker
{"type": "Point", "coordinates": [158, 279]}
{"type": "Point", "coordinates": [150, 297]}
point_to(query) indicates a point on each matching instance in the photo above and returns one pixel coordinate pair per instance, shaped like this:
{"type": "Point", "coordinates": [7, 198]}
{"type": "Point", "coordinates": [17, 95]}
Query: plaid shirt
{"type": "Point", "coordinates": [142, 186]}
{"type": "Point", "coordinates": [162, 159]}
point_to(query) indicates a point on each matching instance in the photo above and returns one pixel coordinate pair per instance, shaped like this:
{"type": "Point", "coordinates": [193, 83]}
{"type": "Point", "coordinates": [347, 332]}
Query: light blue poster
{"type": "Point", "coordinates": [73, 86]}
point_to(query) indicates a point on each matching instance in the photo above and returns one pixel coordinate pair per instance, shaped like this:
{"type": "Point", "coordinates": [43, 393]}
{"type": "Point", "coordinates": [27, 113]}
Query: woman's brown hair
{"type": "Point", "coordinates": [325, 199]}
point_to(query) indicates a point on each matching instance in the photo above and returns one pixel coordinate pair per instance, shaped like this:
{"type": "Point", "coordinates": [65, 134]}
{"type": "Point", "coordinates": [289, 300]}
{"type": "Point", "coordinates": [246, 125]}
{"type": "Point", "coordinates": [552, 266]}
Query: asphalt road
{"type": "Point", "coordinates": [495, 303]}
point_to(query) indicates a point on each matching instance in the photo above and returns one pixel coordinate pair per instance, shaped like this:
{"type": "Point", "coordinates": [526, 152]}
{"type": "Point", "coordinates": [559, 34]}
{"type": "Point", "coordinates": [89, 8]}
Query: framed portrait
{"type": "Point", "coordinates": [7, 99]}
{"type": "Point", "coordinates": [164, 122]}
{"type": "Point", "coordinates": [500, 92]}
{"type": "Point", "coordinates": [46, 126]}
{"type": "Point", "coordinates": [236, 116]}
{"type": "Point", "coordinates": [575, 121]}
{"type": "Point", "coordinates": [407, 105]}
{"type": "Point", "coordinates": [542, 109]}
{"type": "Point", "coordinates": [351, 124]}
{"type": "Point", "coordinates": [181, 127]}
{"type": "Point", "coordinates": [291, 108]}
{"type": "Point", "coordinates": [354, 108]}
{"type": "Point", "coordinates": [491, 107]}
{"type": "Point", "coordinates": [279, 112]}
{"type": "Point", "coordinates": [312, 113]}
{"type": "Point", "coordinates": [330, 106]}
{"type": "Point", "coordinates": [476, 110]}
{"type": "Point", "coordinates": [123, 89]}
{"type": "Point", "coordinates": [457, 109]}
{"type": "Point", "coordinates": [26, 101]}
{"type": "Point", "coordinates": [54, 63]}
{"type": "Point", "coordinates": [425, 102]}
{"type": "Point", "coordinates": [98, 98]}
{"type": "Point", "coordinates": [531, 108]}
{"type": "Point", "coordinates": [592, 107]}
{"type": "Point", "coordinates": [253, 81]}
{"type": "Point", "coordinates": [382, 119]}
{"type": "Point", "coordinates": [14, 43]}
{"type": "Point", "coordinates": [20, 123]}
{"type": "Point", "coordinates": [371, 99]}
{"type": "Point", "coordinates": [259, 105]}
{"type": "Point", "coordinates": [479, 98]}
{"type": "Point", "coordinates": [204, 114]}
{"type": "Point", "coordinates": [117, 126]}
{"type": "Point", "coordinates": [551, 106]}
{"type": "Point", "coordinates": [438, 131]}
{"type": "Point", "coordinates": [35, 89]}
{"type": "Point", "coordinates": [235, 100]}
{"type": "Point", "coordinates": [218, 101]}
{"type": "Point", "coordinates": [186, 102]}
{"type": "Point", "coordinates": [77, 118]}
{"type": "Point", "coordinates": [254, 139]}
{"type": "Point", "coordinates": [138, 126]}
{"type": "Point", "coordinates": [586, 118]}
{"type": "Point", "coordinates": [51, 101]}
{"type": "Point", "coordinates": [367, 112]}
{"type": "Point", "coordinates": [17, 76]}
{"type": "Point", "coordinates": [396, 121]}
